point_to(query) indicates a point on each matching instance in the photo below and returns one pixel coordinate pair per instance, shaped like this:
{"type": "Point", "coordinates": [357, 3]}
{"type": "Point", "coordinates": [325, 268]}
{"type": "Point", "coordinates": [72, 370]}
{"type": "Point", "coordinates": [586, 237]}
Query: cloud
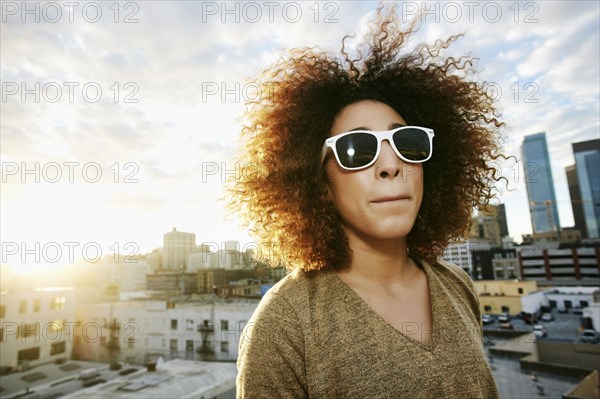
{"type": "Point", "coordinates": [172, 93]}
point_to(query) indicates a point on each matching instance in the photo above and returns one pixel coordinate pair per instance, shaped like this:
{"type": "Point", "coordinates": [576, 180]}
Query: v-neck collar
{"type": "Point", "coordinates": [433, 301]}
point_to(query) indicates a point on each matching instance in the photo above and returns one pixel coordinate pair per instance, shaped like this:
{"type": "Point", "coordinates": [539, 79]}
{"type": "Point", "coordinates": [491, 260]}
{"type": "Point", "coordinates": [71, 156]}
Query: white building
{"type": "Point", "coordinates": [36, 326]}
{"type": "Point", "coordinates": [571, 297]}
{"type": "Point", "coordinates": [149, 329]}
{"type": "Point", "coordinates": [459, 253]}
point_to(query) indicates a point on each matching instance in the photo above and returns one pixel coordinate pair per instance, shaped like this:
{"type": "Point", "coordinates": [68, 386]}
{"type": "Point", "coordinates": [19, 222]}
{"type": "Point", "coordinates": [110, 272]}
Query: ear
{"type": "Point", "coordinates": [329, 175]}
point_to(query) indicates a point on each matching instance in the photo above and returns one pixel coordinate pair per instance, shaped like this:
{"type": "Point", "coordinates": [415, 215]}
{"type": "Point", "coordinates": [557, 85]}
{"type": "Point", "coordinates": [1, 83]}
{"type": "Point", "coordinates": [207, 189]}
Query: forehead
{"type": "Point", "coordinates": [366, 114]}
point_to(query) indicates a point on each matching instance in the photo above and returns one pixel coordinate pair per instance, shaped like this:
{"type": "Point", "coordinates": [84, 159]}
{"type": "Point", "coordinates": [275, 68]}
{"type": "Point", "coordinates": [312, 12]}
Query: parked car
{"type": "Point", "coordinates": [529, 318]}
{"type": "Point", "coordinates": [506, 326]}
{"type": "Point", "coordinates": [539, 330]}
{"type": "Point", "coordinates": [504, 318]}
{"type": "Point", "coordinates": [487, 319]}
{"type": "Point", "coordinates": [589, 336]}
{"type": "Point", "coordinates": [547, 317]}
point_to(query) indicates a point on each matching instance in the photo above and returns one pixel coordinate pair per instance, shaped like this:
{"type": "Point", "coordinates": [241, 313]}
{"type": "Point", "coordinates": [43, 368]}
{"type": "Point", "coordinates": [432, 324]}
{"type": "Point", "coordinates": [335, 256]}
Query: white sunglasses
{"type": "Point", "coordinates": [359, 149]}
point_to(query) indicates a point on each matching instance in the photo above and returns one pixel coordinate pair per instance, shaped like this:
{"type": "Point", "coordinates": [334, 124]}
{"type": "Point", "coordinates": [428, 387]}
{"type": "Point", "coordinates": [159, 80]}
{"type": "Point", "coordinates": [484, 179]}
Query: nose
{"type": "Point", "coordinates": [388, 164]}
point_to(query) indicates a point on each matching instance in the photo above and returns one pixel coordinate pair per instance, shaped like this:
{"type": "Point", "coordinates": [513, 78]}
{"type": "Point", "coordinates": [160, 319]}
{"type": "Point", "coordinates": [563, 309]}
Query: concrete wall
{"type": "Point", "coordinates": [577, 355]}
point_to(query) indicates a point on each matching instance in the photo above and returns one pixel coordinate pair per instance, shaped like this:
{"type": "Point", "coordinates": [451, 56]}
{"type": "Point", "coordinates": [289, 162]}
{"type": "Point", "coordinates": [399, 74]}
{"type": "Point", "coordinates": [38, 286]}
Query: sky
{"type": "Point", "coordinates": [119, 120]}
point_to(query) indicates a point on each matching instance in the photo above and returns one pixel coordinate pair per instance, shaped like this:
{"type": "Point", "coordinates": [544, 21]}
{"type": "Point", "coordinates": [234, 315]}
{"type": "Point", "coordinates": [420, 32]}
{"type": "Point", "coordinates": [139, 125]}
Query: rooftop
{"type": "Point", "coordinates": [175, 378]}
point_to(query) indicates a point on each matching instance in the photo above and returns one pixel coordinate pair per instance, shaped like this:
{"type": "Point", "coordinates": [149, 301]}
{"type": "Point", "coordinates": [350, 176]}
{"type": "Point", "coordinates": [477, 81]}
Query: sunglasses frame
{"type": "Point", "coordinates": [380, 136]}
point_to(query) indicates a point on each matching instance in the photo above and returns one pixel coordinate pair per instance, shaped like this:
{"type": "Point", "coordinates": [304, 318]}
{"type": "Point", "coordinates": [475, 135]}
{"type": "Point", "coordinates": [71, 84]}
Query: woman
{"type": "Point", "coordinates": [348, 189]}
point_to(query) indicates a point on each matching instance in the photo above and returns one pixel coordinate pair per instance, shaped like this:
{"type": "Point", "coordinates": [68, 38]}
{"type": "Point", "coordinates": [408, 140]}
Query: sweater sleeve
{"type": "Point", "coordinates": [271, 353]}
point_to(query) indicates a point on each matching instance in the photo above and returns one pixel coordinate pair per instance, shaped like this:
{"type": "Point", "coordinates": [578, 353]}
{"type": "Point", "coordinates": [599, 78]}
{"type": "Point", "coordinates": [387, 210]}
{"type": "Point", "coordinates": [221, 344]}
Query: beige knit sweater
{"type": "Point", "coordinates": [313, 336]}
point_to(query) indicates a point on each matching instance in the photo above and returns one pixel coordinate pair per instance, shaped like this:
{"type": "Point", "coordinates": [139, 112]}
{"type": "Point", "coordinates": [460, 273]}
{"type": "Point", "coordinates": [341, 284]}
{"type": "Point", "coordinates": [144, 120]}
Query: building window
{"type": "Point", "coordinates": [487, 308]}
{"type": "Point", "coordinates": [57, 347]}
{"type": "Point", "coordinates": [22, 307]}
{"type": "Point", "coordinates": [189, 345]}
{"type": "Point", "coordinates": [568, 304]}
{"type": "Point", "coordinates": [189, 324]}
{"type": "Point", "coordinates": [520, 290]}
{"type": "Point", "coordinates": [173, 345]}
{"type": "Point", "coordinates": [37, 305]}
{"type": "Point", "coordinates": [584, 304]}
{"type": "Point", "coordinates": [173, 324]}
{"type": "Point", "coordinates": [28, 354]}
{"type": "Point", "coordinates": [224, 325]}
{"type": "Point", "coordinates": [224, 346]}
{"type": "Point", "coordinates": [505, 309]}
{"type": "Point", "coordinates": [27, 330]}
{"type": "Point", "coordinates": [55, 326]}
{"type": "Point", "coordinates": [57, 303]}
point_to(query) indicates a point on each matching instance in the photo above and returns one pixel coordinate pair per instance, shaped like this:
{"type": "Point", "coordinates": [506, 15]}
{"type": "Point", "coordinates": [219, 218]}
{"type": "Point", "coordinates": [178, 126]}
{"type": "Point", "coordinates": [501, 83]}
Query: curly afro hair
{"type": "Point", "coordinates": [284, 201]}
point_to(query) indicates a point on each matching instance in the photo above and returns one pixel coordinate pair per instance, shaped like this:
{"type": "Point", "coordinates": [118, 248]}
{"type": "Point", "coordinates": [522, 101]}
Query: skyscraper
{"type": "Point", "coordinates": [587, 164]}
{"type": "Point", "coordinates": [540, 186]}
{"type": "Point", "coordinates": [501, 218]}
{"type": "Point", "coordinates": [576, 203]}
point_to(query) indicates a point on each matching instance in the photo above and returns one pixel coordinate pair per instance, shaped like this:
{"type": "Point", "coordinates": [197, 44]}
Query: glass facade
{"type": "Point", "coordinates": [587, 163]}
{"type": "Point", "coordinates": [540, 186]}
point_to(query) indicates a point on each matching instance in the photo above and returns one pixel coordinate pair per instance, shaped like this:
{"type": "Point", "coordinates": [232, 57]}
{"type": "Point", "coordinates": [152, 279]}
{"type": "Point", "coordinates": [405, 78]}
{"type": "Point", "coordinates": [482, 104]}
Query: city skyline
{"type": "Point", "coordinates": [540, 184]}
{"type": "Point", "coordinates": [154, 148]}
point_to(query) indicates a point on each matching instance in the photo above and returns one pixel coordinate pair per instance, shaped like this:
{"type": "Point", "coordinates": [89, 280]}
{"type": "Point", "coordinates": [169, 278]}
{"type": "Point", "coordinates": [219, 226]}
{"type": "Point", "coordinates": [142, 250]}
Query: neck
{"type": "Point", "coordinates": [383, 262]}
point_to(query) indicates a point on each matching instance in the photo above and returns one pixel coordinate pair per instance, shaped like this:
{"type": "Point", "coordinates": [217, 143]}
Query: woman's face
{"type": "Point", "coordinates": [382, 201]}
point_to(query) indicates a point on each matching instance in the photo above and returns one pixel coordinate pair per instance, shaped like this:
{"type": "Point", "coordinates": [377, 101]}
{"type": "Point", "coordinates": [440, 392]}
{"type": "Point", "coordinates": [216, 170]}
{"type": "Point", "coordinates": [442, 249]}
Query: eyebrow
{"type": "Point", "coordinates": [390, 127]}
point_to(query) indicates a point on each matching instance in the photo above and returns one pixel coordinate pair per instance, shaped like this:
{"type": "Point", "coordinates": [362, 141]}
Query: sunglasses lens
{"type": "Point", "coordinates": [356, 150]}
{"type": "Point", "coordinates": [413, 144]}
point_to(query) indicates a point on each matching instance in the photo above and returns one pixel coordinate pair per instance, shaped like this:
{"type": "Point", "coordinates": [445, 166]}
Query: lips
{"type": "Point", "coordinates": [390, 199]}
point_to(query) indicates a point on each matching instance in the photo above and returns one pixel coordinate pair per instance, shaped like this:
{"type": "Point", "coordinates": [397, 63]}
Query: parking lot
{"type": "Point", "coordinates": [564, 327]}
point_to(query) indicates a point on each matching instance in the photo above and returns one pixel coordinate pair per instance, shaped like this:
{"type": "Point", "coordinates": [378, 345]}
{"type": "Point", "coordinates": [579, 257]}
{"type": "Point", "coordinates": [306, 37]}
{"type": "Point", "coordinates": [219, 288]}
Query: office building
{"type": "Point", "coordinates": [576, 203]}
{"type": "Point", "coordinates": [177, 247]}
{"type": "Point", "coordinates": [540, 185]}
{"type": "Point", "coordinates": [587, 165]}
{"type": "Point", "coordinates": [460, 253]}
{"type": "Point", "coordinates": [501, 219]}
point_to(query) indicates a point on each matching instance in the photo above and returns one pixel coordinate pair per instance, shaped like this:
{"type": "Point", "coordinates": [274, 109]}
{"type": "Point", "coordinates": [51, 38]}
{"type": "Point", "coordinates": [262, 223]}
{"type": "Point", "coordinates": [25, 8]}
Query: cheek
{"type": "Point", "coordinates": [344, 190]}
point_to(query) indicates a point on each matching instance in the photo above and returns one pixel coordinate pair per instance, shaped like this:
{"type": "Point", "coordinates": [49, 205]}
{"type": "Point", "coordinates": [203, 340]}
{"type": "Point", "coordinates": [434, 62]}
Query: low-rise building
{"type": "Point", "coordinates": [141, 330]}
{"type": "Point", "coordinates": [509, 296]}
{"type": "Point", "coordinates": [571, 297]}
{"type": "Point", "coordinates": [36, 326]}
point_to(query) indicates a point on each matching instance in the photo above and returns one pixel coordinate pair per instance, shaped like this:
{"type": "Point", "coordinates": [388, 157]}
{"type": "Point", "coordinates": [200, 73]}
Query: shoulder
{"type": "Point", "coordinates": [457, 283]}
{"type": "Point", "coordinates": [287, 301]}
{"type": "Point", "coordinates": [272, 349]}
{"type": "Point", "coordinates": [452, 271]}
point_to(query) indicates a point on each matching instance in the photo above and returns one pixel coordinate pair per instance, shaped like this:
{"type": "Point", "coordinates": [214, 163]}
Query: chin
{"type": "Point", "coordinates": [393, 232]}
